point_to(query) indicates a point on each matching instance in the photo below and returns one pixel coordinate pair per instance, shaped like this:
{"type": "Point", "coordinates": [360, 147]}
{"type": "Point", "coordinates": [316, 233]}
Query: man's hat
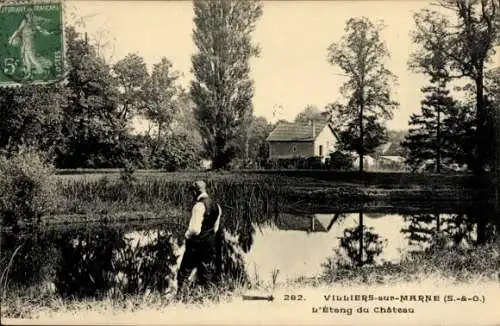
{"type": "Point", "coordinates": [199, 186]}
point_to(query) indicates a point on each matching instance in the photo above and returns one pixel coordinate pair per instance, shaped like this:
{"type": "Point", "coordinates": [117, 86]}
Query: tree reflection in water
{"type": "Point", "coordinates": [89, 261]}
{"type": "Point", "coordinates": [359, 246]}
{"type": "Point", "coordinates": [103, 260]}
{"type": "Point", "coordinates": [475, 226]}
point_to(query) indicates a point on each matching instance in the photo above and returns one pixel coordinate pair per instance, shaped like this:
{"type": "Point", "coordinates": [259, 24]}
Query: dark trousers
{"type": "Point", "coordinates": [200, 254]}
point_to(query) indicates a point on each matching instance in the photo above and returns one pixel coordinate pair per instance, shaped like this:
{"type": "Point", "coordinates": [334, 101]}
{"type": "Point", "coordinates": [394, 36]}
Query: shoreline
{"type": "Point", "coordinates": [348, 198]}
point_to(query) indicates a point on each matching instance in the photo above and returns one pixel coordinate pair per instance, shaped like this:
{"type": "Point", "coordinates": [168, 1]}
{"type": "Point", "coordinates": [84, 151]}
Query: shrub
{"type": "Point", "coordinates": [26, 192]}
{"type": "Point", "coordinates": [177, 152]}
{"type": "Point", "coordinates": [340, 161]}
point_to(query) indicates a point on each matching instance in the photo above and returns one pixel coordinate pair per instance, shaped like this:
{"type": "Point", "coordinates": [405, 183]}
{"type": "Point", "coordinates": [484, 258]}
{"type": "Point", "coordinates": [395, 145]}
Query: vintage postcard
{"type": "Point", "coordinates": [244, 162]}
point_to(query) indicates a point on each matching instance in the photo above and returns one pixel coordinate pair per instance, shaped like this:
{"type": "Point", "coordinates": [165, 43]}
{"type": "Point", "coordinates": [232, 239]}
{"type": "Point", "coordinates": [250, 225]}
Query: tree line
{"type": "Point", "coordinates": [85, 121]}
{"type": "Point", "coordinates": [460, 46]}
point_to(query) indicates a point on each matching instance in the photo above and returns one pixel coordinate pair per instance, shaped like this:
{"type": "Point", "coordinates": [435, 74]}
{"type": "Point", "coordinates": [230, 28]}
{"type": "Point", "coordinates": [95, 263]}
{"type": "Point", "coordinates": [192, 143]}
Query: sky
{"type": "Point", "coordinates": [292, 70]}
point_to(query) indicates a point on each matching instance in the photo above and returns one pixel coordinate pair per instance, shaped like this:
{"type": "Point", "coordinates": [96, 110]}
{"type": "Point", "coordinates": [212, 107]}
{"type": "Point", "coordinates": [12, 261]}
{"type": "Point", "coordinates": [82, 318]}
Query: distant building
{"type": "Point", "coordinates": [369, 163]}
{"type": "Point", "coordinates": [301, 140]}
{"type": "Point", "coordinates": [389, 158]}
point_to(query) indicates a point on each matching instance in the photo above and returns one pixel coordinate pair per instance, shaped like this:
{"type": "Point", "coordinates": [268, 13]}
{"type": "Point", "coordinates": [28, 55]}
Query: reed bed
{"type": "Point", "coordinates": [154, 194]}
{"type": "Point", "coordinates": [460, 265]}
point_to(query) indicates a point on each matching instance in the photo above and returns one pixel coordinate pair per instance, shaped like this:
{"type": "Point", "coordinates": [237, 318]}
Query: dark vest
{"type": "Point", "coordinates": [210, 216]}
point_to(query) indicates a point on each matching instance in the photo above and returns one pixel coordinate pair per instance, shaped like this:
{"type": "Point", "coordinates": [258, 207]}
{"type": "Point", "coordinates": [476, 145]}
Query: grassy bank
{"type": "Point", "coordinates": [167, 193]}
{"type": "Point", "coordinates": [442, 264]}
{"type": "Point", "coordinates": [441, 272]}
{"type": "Point", "coordinates": [460, 265]}
{"type": "Point", "coordinates": [380, 179]}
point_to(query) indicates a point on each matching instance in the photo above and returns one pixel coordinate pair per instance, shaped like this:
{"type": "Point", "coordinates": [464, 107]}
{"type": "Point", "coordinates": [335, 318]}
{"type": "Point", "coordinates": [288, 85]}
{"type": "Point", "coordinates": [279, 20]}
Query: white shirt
{"type": "Point", "coordinates": [197, 213]}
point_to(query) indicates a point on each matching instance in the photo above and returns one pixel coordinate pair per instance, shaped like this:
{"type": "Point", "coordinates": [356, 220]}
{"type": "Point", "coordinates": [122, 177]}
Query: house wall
{"type": "Point", "coordinates": [284, 150]}
{"type": "Point", "coordinates": [326, 139]}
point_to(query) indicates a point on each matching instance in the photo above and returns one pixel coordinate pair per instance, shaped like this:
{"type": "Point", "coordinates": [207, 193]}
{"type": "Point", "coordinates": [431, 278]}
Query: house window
{"type": "Point", "coordinates": [320, 150]}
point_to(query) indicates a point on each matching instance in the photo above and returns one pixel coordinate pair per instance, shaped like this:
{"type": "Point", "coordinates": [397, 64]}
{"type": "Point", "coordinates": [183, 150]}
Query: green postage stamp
{"type": "Point", "coordinates": [31, 43]}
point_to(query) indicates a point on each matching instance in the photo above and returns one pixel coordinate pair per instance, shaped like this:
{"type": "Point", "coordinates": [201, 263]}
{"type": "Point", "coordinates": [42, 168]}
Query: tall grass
{"type": "Point", "coordinates": [155, 194]}
{"type": "Point", "coordinates": [481, 263]}
{"type": "Point", "coordinates": [262, 192]}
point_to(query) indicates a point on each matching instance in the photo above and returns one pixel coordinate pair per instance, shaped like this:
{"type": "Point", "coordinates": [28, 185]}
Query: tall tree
{"type": "Point", "coordinates": [311, 113]}
{"type": "Point", "coordinates": [493, 88]}
{"type": "Point", "coordinates": [258, 150]}
{"type": "Point", "coordinates": [222, 90]}
{"type": "Point", "coordinates": [162, 96]}
{"type": "Point", "coordinates": [374, 135]}
{"type": "Point", "coordinates": [91, 124]}
{"type": "Point", "coordinates": [425, 141]}
{"type": "Point", "coordinates": [459, 133]}
{"type": "Point", "coordinates": [360, 54]}
{"type": "Point", "coordinates": [131, 74]}
{"type": "Point", "coordinates": [467, 43]}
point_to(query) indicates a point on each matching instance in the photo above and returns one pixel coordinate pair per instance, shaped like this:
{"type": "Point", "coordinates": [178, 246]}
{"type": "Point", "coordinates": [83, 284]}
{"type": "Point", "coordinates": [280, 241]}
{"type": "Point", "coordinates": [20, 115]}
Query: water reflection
{"type": "Point", "coordinates": [104, 260]}
{"type": "Point", "coordinates": [98, 260]}
{"type": "Point", "coordinates": [475, 226]}
{"type": "Point", "coordinates": [297, 249]}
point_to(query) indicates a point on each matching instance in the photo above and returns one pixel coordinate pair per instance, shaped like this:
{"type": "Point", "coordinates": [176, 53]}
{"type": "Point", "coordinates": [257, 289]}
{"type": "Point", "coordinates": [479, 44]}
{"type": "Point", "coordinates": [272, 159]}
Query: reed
{"type": "Point", "coordinates": [461, 265]}
{"type": "Point", "coordinates": [157, 194]}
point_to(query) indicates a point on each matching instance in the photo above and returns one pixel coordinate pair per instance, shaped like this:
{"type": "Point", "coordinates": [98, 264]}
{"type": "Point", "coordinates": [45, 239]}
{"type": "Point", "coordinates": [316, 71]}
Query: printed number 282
{"type": "Point", "coordinates": [294, 297]}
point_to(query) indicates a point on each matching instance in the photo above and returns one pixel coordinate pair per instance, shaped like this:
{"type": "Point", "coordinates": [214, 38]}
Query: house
{"type": "Point", "coordinates": [306, 223]}
{"type": "Point", "coordinates": [389, 157]}
{"type": "Point", "coordinates": [369, 163]}
{"type": "Point", "coordinates": [301, 140]}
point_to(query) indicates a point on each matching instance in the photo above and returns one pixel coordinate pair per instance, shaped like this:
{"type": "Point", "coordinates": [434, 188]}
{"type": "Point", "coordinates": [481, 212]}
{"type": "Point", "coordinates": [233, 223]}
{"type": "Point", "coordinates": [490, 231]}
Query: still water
{"type": "Point", "coordinates": [300, 250]}
{"type": "Point", "coordinates": [92, 260]}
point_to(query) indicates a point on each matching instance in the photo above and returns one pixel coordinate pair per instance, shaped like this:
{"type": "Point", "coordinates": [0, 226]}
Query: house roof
{"type": "Point", "coordinates": [393, 158]}
{"type": "Point", "coordinates": [389, 149]}
{"type": "Point", "coordinates": [296, 131]}
{"type": "Point", "coordinates": [290, 222]}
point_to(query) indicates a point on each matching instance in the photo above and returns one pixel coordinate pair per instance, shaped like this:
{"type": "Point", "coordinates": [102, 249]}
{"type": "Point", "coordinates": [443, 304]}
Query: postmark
{"type": "Point", "coordinates": [31, 43]}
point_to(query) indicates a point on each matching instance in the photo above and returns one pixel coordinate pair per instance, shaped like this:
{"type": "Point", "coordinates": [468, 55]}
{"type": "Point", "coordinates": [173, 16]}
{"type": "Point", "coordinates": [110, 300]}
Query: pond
{"type": "Point", "coordinates": [91, 260]}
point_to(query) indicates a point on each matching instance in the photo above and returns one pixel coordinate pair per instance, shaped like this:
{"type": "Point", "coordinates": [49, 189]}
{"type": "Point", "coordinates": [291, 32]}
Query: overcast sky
{"type": "Point", "coordinates": [292, 69]}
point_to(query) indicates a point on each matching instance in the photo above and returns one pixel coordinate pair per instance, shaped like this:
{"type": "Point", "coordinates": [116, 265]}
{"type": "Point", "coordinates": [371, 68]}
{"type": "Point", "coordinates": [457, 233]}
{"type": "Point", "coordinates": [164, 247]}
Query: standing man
{"type": "Point", "coordinates": [201, 239]}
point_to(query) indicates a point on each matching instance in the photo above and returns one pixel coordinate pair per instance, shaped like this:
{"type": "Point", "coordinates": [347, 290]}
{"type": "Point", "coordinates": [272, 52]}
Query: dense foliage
{"type": "Point", "coordinates": [26, 191]}
{"type": "Point", "coordinates": [462, 37]}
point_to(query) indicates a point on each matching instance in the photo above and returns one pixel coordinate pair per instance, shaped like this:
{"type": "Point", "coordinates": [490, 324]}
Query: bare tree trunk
{"type": "Point", "coordinates": [481, 144]}
{"type": "Point", "coordinates": [481, 140]}
{"type": "Point", "coordinates": [361, 140]}
{"type": "Point", "coordinates": [438, 142]}
{"type": "Point", "coordinates": [361, 235]}
{"type": "Point", "coordinates": [496, 166]}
